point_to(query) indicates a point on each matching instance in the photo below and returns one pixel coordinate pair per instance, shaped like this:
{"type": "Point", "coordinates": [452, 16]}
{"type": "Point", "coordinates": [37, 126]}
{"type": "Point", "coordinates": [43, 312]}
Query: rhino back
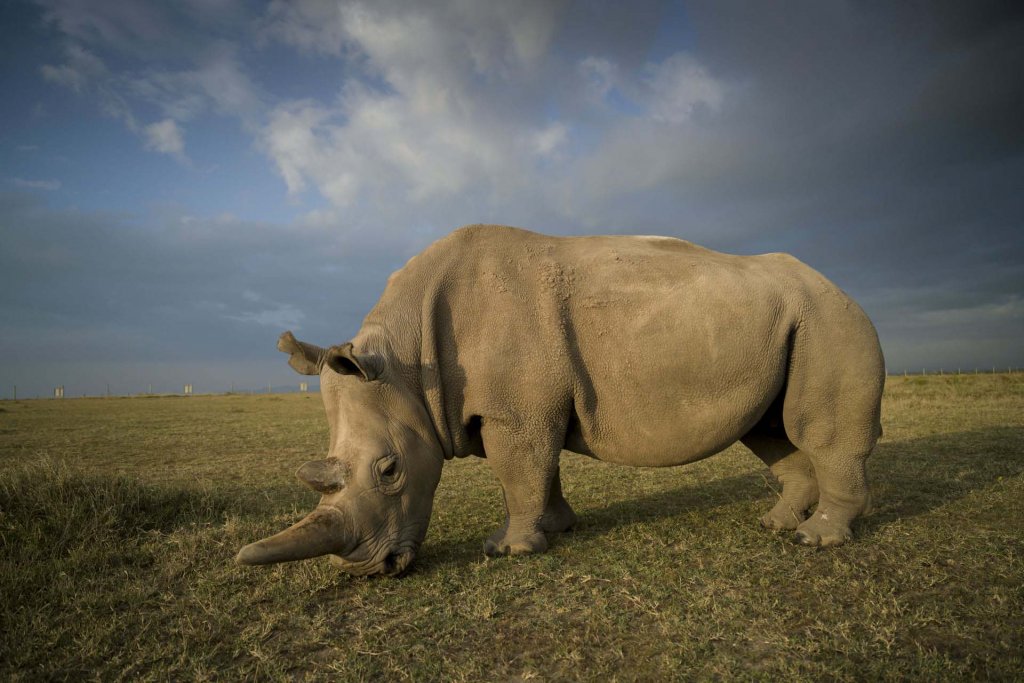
{"type": "Point", "coordinates": [644, 351]}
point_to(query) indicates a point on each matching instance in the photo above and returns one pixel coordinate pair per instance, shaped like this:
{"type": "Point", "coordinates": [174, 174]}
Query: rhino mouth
{"type": "Point", "coordinates": [396, 564]}
{"type": "Point", "coordinates": [394, 561]}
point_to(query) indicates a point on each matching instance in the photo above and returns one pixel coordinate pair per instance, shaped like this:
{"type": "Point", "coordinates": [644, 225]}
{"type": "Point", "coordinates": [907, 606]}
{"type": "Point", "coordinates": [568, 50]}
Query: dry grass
{"type": "Point", "coordinates": [119, 519]}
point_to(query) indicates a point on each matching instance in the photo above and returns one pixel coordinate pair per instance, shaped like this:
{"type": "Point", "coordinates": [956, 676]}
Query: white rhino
{"type": "Point", "coordinates": [647, 351]}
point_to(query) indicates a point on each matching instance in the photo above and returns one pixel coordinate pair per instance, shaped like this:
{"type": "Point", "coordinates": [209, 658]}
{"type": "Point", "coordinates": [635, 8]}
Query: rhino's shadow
{"type": "Point", "coordinates": [908, 478]}
{"type": "Point", "coordinates": [916, 476]}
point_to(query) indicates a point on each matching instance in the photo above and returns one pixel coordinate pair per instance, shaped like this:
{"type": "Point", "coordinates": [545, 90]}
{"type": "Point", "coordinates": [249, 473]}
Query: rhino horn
{"type": "Point", "coordinates": [324, 531]}
{"type": "Point", "coordinates": [306, 359]}
{"type": "Point", "coordinates": [323, 476]}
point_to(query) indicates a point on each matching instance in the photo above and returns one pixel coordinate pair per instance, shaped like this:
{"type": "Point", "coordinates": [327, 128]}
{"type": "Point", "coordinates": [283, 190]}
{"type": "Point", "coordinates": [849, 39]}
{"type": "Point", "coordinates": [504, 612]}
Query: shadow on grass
{"type": "Point", "coordinates": [596, 522]}
{"type": "Point", "coordinates": [908, 478]}
{"type": "Point", "coordinates": [50, 505]}
{"type": "Point", "coordinates": [916, 476]}
{"type": "Point", "coordinates": [50, 508]}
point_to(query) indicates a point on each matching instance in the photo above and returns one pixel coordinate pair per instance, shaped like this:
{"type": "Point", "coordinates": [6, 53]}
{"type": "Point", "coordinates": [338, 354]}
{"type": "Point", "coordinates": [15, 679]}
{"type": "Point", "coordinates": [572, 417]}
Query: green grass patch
{"type": "Point", "coordinates": [119, 519]}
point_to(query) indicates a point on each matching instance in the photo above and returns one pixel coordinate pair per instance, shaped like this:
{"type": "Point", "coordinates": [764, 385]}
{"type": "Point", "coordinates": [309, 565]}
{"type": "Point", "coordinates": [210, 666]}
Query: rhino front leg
{"type": "Point", "coordinates": [558, 514]}
{"type": "Point", "coordinates": [527, 469]}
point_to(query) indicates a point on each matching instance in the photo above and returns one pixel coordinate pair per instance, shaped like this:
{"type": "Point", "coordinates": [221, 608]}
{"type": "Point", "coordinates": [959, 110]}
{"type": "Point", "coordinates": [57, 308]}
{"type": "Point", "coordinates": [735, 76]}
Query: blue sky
{"type": "Point", "coordinates": [180, 182]}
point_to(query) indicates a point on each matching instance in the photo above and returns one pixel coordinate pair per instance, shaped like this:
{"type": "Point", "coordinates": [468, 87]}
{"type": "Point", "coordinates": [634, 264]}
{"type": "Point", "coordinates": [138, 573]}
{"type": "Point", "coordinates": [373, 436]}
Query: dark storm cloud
{"type": "Point", "coordinates": [882, 143]}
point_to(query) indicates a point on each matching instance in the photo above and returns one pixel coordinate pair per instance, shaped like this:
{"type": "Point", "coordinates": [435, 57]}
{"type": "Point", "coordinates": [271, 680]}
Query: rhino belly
{"type": "Point", "coordinates": [677, 435]}
{"type": "Point", "coordinates": [673, 408]}
{"type": "Point", "coordinates": [667, 373]}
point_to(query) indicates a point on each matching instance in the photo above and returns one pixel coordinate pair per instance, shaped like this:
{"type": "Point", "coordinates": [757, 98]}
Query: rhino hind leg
{"type": "Point", "coordinates": [842, 478]}
{"type": "Point", "coordinates": [794, 471]}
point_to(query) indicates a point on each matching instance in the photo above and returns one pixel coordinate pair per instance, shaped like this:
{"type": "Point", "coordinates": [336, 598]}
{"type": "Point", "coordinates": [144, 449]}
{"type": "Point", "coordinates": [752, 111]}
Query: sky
{"type": "Point", "coordinates": [182, 181]}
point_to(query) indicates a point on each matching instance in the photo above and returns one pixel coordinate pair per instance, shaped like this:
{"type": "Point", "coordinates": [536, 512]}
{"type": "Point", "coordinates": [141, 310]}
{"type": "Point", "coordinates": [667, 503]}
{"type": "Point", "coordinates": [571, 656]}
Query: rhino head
{"type": "Point", "coordinates": [377, 482]}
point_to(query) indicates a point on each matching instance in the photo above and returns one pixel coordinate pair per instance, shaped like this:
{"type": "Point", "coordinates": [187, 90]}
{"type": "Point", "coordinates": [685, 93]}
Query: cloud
{"type": "Point", "coordinates": [1008, 310]}
{"type": "Point", "coordinates": [86, 74]}
{"type": "Point", "coordinates": [165, 137]}
{"type": "Point", "coordinates": [80, 70]}
{"type": "Point", "coordinates": [48, 185]}
{"type": "Point", "coordinates": [439, 126]}
{"type": "Point", "coordinates": [188, 288]}
{"type": "Point", "coordinates": [312, 26]}
{"type": "Point", "coordinates": [157, 40]}
{"type": "Point", "coordinates": [599, 75]}
{"type": "Point", "coordinates": [268, 313]}
{"type": "Point", "coordinates": [216, 84]}
{"type": "Point", "coordinates": [881, 144]}
{"type": "Point", "coordinates": [145, 31]}
{"type": "Point", "coordinates": [678, 86]}
{"type": "Point", "coordinates": [491, 34]}
{"type": "Point", "coordinates": [282, 317]}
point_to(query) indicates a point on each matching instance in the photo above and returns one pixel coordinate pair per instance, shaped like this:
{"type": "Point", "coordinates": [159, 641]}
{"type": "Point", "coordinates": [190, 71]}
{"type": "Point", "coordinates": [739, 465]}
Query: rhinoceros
{"type": "Point", "coordinates": [648, 351]}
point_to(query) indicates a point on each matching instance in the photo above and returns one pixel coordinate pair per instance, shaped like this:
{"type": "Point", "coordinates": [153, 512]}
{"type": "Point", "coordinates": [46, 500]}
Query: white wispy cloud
{"type": "Point", "coordinates": [679, 85]}
{"type": "Point", "coordinates": [49, 185]}
{"type": "Point", "coordinates": [165, 137]}
{"type": "Point", "coordinates": [78, 72]}
{"type": "Point", "coordinates": [281, 317]}
{"type": "Point", "coordinates": [440, 127]}
{"type": "Point", "coordinates": [214, 80]}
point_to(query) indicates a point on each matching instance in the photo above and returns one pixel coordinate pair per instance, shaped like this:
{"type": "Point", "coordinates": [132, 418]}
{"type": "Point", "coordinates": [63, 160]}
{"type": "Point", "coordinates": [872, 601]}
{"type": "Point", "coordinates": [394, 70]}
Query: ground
{"type": "Point", "coordinates": [119, 519]}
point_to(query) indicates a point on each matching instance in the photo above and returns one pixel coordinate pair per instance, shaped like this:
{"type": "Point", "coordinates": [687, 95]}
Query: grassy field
{"type": "Point", "coordinates": [119, 519]}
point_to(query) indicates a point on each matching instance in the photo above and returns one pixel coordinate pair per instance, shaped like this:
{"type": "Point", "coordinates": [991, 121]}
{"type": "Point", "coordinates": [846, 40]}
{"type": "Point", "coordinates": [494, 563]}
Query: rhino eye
{"type": "Point", "coordinates": [388, 467]}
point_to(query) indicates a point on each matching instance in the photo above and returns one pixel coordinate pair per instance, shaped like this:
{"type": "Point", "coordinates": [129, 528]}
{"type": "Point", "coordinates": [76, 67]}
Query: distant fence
{"type": "Point", "coordinates": [993, 370]}
{"type": "Point", "coordinates": [188, 389]}
{"type": "Point", "coordinates": [303, 387]}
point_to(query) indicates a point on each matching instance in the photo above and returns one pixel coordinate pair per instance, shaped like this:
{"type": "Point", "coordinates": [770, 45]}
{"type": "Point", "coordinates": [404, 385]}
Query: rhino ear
{"type": "Point", "coordinates": [345, 361]}
{"type": "Point", "coordinates": [306, 359]}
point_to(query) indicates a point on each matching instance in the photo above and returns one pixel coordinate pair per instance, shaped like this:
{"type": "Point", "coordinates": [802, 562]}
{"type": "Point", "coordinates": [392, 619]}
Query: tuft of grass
{"type": "Point", "coordinates": [119, 519]}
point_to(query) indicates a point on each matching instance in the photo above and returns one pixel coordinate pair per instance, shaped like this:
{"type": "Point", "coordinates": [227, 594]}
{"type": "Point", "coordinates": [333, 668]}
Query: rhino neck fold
{"type": "Point", "coordinates": [414, 314]}
{"type": "Point", "coordinates": [436, 387]}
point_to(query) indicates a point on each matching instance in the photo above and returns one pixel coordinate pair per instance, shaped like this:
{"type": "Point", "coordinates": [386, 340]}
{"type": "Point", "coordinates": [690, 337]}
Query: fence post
{"type": "Point", "coordinates": [15, 392]}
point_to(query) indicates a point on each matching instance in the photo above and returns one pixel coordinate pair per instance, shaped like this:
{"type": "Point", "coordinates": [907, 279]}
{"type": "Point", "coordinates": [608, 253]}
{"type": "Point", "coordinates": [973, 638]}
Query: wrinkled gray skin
{"type": "Point", "coordinates": [645, 351]}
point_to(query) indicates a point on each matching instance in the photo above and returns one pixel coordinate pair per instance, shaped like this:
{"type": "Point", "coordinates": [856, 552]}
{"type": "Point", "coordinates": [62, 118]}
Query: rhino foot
{"type": "Point", "coordinates": [506, 543]}
{"type": "Point", "coordinates": [821, 531]}
{"type": "Point", "coordinates": [558, 518]}
{"type": "Point", "coordinates": [783, 517]}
